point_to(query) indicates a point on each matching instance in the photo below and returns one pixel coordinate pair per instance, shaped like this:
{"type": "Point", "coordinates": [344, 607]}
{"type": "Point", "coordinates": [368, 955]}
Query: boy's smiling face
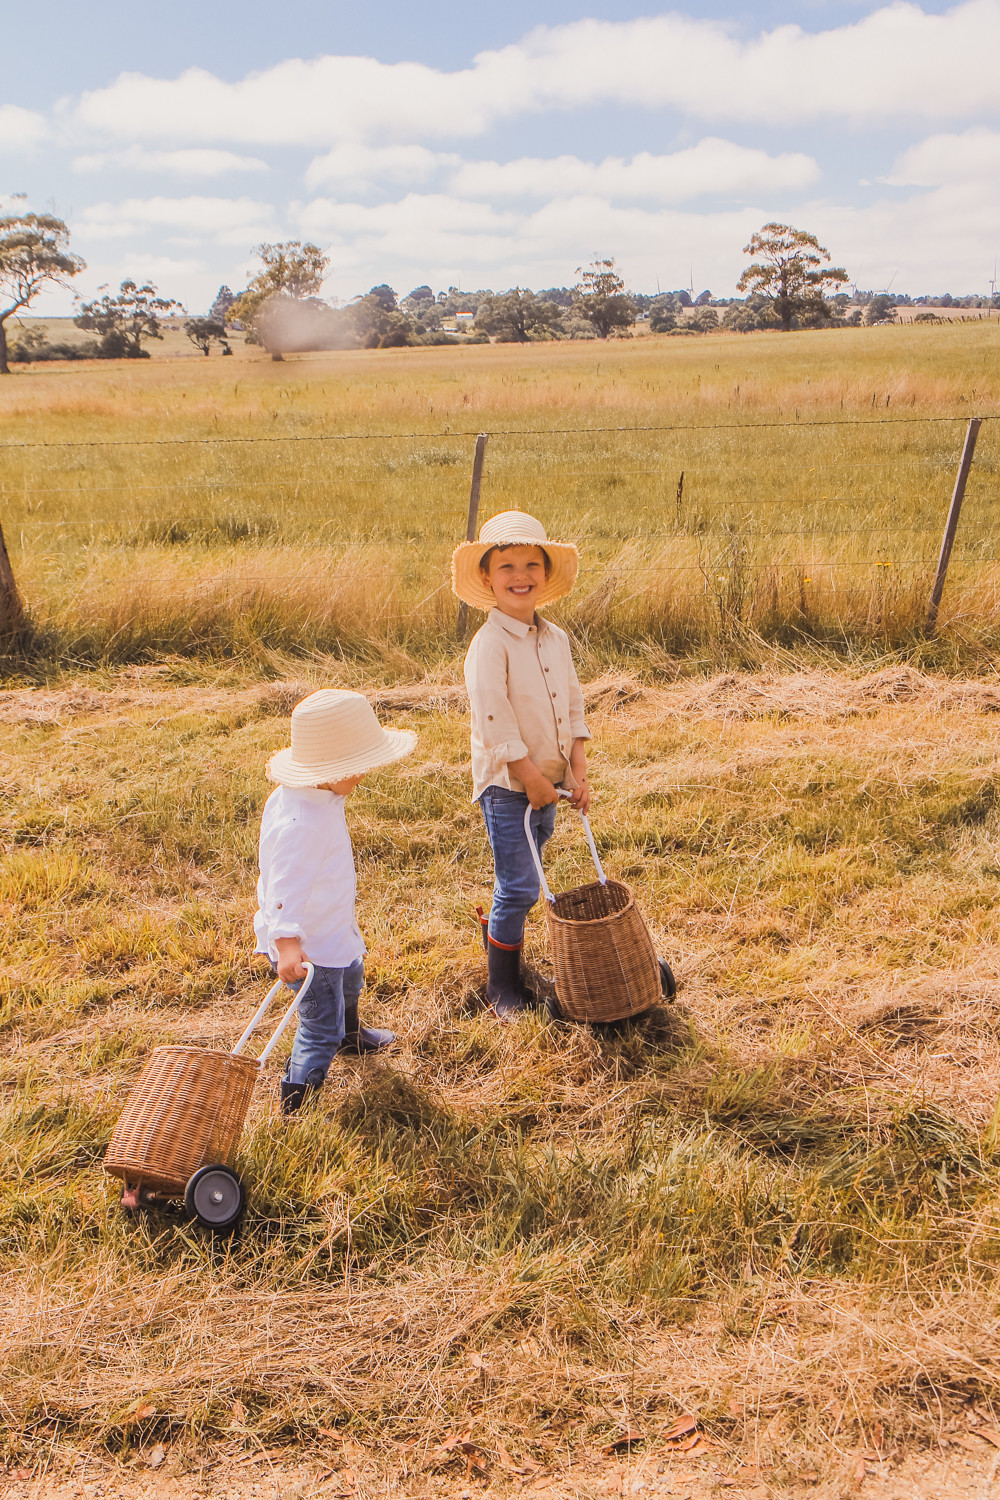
{"type": "Point", "coordinates": [516, 575]}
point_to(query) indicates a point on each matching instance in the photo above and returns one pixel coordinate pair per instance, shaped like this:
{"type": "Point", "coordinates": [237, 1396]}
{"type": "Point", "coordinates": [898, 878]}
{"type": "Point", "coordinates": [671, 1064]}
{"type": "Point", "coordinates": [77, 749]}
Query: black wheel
{"type": "Point", "coordinates": [668, 984]}
{"type": "Point", "coordinates": [552, 1008]}
{"type": "Point", "coordinates": [215, 1197]}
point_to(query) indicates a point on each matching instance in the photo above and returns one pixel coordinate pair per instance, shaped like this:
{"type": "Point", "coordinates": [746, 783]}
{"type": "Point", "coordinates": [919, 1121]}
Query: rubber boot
{"type": "Point", "coordinates": [503, 990]}
{"type": "Point", "coordinates": [360, 1039]}
{"type": "Point", "coordinates": [293, 1095]}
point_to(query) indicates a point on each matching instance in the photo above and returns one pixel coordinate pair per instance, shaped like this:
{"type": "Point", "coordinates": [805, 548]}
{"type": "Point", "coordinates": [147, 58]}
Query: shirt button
{"type": "Point", "coordinates": [560, 721]}
{"type": "Point", "coordinates": [280, 905]}
{"type": "Point", "coordinates": [490, 717]}
{"type": "Point", "coordinates": [546, 669]}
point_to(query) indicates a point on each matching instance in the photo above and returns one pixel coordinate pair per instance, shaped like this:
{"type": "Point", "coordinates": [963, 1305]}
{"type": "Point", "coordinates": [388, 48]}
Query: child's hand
{"type": "Point", "coordinates": [581, 796]}
{"type": "Point", "coordinates": [291, 965]}
{"type": "Point", "coordinates": [539, 790]}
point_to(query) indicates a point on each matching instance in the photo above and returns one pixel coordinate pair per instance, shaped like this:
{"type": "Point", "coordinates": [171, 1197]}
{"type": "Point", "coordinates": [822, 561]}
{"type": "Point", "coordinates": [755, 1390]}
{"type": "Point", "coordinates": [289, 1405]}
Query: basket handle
{"type": "Point", "coordinates": [261, 1011]}
{"type": "Point", "coordinates": [537, 857]}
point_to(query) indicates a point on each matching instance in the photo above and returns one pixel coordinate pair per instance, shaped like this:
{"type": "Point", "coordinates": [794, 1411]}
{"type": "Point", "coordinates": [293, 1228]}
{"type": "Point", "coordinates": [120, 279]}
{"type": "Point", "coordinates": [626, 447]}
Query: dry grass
{"type": "Point", "coordinates": [799, 536]}
{"type": "Point", "coordinates": [773, 1204]}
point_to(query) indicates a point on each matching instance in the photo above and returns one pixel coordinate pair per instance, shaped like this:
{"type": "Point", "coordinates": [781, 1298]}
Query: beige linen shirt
{"type": "Point", "coordinates": [525, 699]}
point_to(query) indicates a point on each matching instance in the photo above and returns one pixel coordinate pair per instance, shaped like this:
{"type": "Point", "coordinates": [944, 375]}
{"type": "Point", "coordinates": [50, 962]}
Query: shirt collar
{"type": "Point", "coordinates": [516, 627]}
{"type": "Point", "coordinates": [311, 794]}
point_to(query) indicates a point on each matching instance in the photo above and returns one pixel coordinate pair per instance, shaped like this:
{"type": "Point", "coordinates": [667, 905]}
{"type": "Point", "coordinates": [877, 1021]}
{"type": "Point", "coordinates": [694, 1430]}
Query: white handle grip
{"type": "Point", "coordinates": [537, 857]}
{"type": "Point", "coordinates": [261, 1011]}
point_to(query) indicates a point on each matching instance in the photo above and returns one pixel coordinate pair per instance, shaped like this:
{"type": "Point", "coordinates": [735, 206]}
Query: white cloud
{"type": "Point", "coordinates": [899, 61]}
{"type": "Point", "coordinates": [194, 162]}
{"type": "Point", "coordinates": [356, 167]}
{"type": "Point", "coordinates": [228, 221]}
{"type": "Point", "coordinates": [711, 168]}
{"type": "Point", "coordinates": [941, 159]}
{"type": "Point", "coordinates": [21, 128]}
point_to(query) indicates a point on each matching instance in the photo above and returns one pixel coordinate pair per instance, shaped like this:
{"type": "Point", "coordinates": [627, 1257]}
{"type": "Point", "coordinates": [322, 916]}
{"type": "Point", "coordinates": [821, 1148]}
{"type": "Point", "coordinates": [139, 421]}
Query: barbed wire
{"type": "Point", "coordinates": [372, 437]}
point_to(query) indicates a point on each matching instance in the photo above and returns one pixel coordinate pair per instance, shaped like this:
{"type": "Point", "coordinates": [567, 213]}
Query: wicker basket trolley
{"type": "Point", "coordinates": [182, 1122]}
{"type": "Point", "coordinates": [606, 968]}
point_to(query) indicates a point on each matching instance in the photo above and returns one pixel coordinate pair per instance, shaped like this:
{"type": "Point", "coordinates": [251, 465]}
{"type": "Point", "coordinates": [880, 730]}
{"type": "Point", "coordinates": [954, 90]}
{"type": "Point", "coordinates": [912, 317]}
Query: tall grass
{"type": "Point", "coordinates": [803, 516]}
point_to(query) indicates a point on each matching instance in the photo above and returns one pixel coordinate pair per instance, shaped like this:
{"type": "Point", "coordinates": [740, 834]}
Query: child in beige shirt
{"type": "Point", "coordinates": [528, 731]}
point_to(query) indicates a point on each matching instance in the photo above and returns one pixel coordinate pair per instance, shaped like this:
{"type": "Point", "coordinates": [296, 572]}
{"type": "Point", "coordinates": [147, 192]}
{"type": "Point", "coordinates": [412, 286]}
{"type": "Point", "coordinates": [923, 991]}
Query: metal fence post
{"type": "Point", "coordinates": [951, 525]}
{"type": "Point", "coordinates": [473, 521]}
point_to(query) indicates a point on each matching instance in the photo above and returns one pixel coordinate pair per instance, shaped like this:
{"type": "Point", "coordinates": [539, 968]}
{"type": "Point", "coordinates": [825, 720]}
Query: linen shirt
{"type": "Point", "coordinates": [307, 887]}
{"type": "Point", "coordinates": [525, 699]}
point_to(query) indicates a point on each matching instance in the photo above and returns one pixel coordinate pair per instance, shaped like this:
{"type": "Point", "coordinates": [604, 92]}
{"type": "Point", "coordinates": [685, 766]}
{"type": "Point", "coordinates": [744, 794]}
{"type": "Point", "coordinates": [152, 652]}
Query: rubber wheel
{"type": "Point", "coordinates": [668, 984]}
{"type": "Point", "coordinates": [551, 1008]}
{"type": "Point", "coordinates": [215, 1197]}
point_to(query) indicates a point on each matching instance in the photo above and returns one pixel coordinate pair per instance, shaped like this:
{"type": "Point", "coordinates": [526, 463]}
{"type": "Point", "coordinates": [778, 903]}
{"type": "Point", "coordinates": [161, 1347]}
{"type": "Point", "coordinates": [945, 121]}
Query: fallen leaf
{"type": "Point", "coordinates": [22, 1474]}
{"type": "Point", "coordinates": [455, 1440]}
{"type": "Point", "coordinates": [147, 1409]}
{"type": "Point", "coordinates": [878, 1435]}
{"type": "Point", "coordinates": [476, 1361]}
{"type": "Point", "coordinates": [338, 1437]}
{"type": "Point", "coordinates": [625, 1441]}
{"type": "Point", "coordinates": [991, 1436]}
{"type": "Point", "coordinates": [684, 1424]}
{"type": "Point", "coordinates": [696, 1448]}
{"type": "Point", "coordinates": [529, 1347]}
{"type": "Point", "coordinates": [239, 1413]}
{"type": "Point", "coordinates": [972, 1441]}
{"type": "Point", "coordinates": [157, 1456]}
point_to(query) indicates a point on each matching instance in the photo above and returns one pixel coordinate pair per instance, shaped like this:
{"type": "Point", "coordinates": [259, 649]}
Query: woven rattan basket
{"type": "Point", "coordinates": [606, 968]}
{"type": "Point", "coordinates": [188, 1107]}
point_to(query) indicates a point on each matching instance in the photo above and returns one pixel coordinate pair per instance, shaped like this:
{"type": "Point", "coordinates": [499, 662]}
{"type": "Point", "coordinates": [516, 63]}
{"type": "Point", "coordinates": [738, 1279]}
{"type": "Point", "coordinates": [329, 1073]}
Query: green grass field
{"type": "Point", "coordinates": [486, 1257]}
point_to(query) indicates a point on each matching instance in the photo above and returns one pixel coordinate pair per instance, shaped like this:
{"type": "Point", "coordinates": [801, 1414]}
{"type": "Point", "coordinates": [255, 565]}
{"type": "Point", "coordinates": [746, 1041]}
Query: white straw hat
{"type": "Point", "coordinates": [335, 734]}
{"type": "Point", "coordinates": [512, 528]}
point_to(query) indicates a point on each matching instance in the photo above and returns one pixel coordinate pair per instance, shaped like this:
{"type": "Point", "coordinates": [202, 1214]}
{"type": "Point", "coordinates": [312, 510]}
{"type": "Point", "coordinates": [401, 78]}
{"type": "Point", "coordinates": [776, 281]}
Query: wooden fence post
{"type": "Point", "coordinates": [951, 525]}
{"type": "Point", "coordinates": [473, 521]}
{"type": "Point", "coordinates": [11, 603]}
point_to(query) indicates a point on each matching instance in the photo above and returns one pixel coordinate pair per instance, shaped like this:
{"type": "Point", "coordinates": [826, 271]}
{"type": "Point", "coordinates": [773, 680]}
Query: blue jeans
{"type": "Point", "coordinates": [321, 1021]}
{"type": "Point", "coordinates": [515, 887]}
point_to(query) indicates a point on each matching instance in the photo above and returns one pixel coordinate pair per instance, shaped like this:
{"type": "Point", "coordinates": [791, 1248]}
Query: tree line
{"type": "Point", "coordinates": [789, 284]}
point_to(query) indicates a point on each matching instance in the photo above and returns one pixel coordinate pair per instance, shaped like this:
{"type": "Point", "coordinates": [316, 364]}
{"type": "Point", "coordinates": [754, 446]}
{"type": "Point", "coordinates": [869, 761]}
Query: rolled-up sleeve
{"type": "Point", "coordinates": [577, 723]}
{"type": "Point", "coordinates": [494, 723]}
{"type": "Point", "coordinates": [289, 882]}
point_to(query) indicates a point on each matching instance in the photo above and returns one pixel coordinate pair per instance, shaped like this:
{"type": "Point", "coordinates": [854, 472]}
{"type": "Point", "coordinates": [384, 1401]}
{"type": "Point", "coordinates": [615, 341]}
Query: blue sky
{"type": "Point", "coordinates": [453, 146]}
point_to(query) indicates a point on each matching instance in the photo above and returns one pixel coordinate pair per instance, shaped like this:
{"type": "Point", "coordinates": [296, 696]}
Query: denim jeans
{"type": "Point", "coordinates": [321, 1021]}
{"type": "Point", "coordinates": [515, 887]}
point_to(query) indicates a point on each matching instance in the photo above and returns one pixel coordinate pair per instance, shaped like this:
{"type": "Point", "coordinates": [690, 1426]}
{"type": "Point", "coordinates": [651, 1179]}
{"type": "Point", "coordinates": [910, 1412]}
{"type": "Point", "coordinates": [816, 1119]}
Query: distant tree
{"type": "Point", "coordinates": [683, 297]}
{"type": "Point", "coordinates": [124, 321]}
{"type": "Point", "coordinates": [703, 299]}
{"type": "Point", "coordinates": [662, 317]}
{"type": "Point", "coordinates": [204, 332]}
{"type": "Point", "coordinates": [291, 269]}
{"type": "Point", "coordinates": [790, 272]}
{"type": "Point", "coordinates": [705, 320]}
{"type": "Point", "coordinates": [562, 296]}
{"type": "Point", "coordinates": [750, 316]}
{"type": "Point", "coordinates": [34, 254]}
{"type": "Point", "coordinates": [378, 322]}
{"type": "Point", "coordinates": [601, 297]}
{"type": "Point", "coordinates": [219, 309]}
{"type": "Point", "coordinates": [419, 294]}
{"type": "Point", "coordinates": [881, 309]}
{"type": "Point", "coordinates": [518, 316]}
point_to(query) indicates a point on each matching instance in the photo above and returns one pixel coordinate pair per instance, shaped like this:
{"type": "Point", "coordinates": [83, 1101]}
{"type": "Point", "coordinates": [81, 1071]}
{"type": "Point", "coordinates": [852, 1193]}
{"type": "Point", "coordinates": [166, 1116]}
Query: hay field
{"type": "Point", "coordinates": [486, 1258]}
{"type": "Point", "coordinates": [773, 1204]}
{"type": "Point", "coordinates": [794, 522]}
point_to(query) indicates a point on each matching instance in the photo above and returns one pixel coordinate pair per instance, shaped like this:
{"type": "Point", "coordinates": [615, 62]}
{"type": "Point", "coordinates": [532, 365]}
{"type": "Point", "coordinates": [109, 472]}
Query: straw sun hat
{"type": "Point", "coordinates": [512, 528]}
{"type": "Point", "coordinates": [335, 734]}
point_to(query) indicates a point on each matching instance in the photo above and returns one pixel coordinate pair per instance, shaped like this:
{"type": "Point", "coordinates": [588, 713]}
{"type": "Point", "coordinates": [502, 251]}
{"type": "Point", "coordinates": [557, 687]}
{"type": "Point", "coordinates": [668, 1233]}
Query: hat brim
{"type": "Point", "coordinates": [287, 771]}
{"type": "Point", "coordinates": [467, 582]}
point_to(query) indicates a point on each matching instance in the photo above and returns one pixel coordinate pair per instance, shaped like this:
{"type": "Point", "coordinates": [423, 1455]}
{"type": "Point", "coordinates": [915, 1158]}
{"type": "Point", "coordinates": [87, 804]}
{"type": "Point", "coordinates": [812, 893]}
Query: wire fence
{"type": "Point", "coordinates": [735, 508]}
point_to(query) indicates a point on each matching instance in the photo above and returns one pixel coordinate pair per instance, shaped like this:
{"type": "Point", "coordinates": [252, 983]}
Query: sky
{"type": "Point", "coordinates": [470, 146]}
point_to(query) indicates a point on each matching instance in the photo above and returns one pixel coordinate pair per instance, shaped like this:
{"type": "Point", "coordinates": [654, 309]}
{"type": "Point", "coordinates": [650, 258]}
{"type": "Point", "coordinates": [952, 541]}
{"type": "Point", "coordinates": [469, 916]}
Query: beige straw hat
{"type": "Point", "coordinates": [512, 528]}
{"type": "Point", "coordinates": [335, 734]}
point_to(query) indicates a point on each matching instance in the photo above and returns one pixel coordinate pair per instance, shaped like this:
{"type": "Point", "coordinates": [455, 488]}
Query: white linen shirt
{"type": "Point", "coordinates": [525, 699]}
{"type": "Point", "coordinates": [308, 886]}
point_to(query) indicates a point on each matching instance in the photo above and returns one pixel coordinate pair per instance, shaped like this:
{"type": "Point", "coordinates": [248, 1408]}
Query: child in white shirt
{"type": "Point", "coordinates": [307, 886]}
